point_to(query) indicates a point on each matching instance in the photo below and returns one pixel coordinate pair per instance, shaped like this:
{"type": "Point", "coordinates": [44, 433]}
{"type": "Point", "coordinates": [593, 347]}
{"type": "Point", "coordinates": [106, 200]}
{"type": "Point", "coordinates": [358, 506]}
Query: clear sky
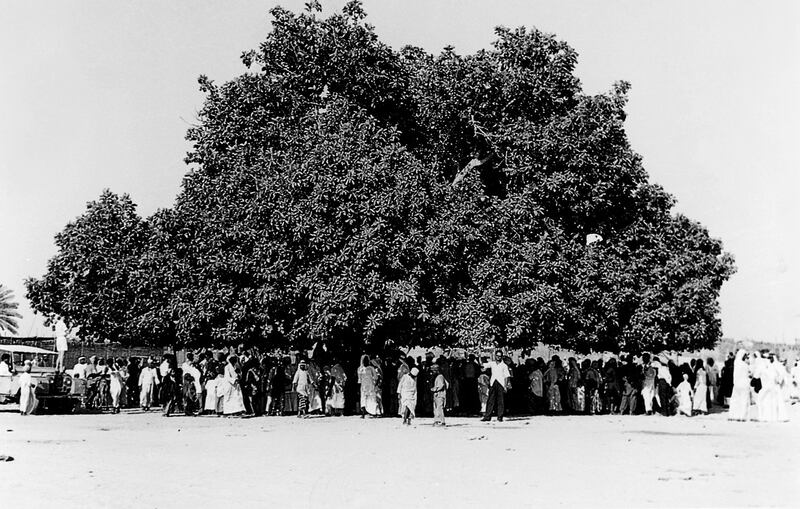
{"type": "Point", "coordinates": [99, 94]}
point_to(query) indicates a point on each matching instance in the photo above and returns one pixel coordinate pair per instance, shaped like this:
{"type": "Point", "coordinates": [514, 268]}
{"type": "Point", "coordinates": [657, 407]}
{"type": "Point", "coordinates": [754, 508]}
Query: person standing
{"type": "Point", "coordinates": [407, 393]}
{"type": "Point", "coordinates": [684, 391]}
{"type": "Point", "coordinates": [593, 380]}
{"type": "Point", "coordinates": [378, 381]}
{"type": "Point", "coordinates": [214, 388]}
{"type": "Point", "coordinates": [189, 367]}
{"type": "Point", "coordinates": [170, 386]}
{"type": "Point", "coordinates": [664, 387]}
{"type": "Point", "coordinates": [739, 406]}
{"type": "Point", "coordinates": [27, 391]}
{"type": "Point", "coordinates": [483, 389]}
{"type": "Point", "coordinates": [498, 385]}
{"type": "Point", "coordinates": [536, 387]}
{"type": "Point", "coordinates": [302, 386]}
{"type": "Point", "coordinates": [552, 376]}
{"type": "Point", "coordinates": [115, 385]}
{"type": "Point", "coordinates": [79, 369]}
{"type": "Point", "coordinates": [700, 401]}
{"type": "Point", "coordinates": [439, 391]}
{"type": "Point", "coordinates": [277, 387]}
{"type": "Point", "coordinates": [366, 381]}
{"type": "Point", "coordinates": [469, 387]}
{"type": "Point", "coordinates": [784, 389]}
{"type": "Point", "coordinates": [726, 380]}
{"type": "Point", "coordinates": [648, 384]}
{"type": "Point", "coordinates": [233, 401]}
{"type": "Point", "coordinates": [573, 382]}
{"type": "Point", "coordinates": [148, 382]}
{"type": "Point", "coordinates": [60, 329]}
{"type": "Point", "coordinates": [403, 368]}
{"type": "Point", "coordinates": [338, 380]}
{"type": "Point", "coordinates": [6, 367]}
{"type": "Point", "coordinates": [132, 383]}
{"type": "Point", "coordinates": [713, 380]}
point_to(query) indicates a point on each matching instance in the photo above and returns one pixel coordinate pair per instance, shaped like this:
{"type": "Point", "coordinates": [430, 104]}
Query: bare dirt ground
{"type": "Point", "coordinates": [146, 460]}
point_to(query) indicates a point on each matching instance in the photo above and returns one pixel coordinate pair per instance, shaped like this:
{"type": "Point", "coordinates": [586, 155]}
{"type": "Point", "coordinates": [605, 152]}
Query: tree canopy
{"type": "Point", "coordinates": [343, 190]}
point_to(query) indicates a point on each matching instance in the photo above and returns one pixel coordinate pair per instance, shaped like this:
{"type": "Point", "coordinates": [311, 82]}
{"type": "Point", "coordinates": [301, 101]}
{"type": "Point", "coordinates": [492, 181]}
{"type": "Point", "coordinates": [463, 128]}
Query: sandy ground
{"type": "Point", "coordinates": [146, 460]}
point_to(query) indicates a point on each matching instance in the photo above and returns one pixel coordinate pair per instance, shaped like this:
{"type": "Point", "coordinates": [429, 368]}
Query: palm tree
{"type": "Point", "coordinates": [8, 313]}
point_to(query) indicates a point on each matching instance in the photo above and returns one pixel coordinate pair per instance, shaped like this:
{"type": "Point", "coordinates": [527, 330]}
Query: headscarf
{"type": "Point", "coordinates": [741, 371]}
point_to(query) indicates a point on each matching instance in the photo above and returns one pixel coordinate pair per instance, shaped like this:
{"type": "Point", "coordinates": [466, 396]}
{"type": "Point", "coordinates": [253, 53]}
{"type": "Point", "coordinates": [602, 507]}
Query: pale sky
{"type": "Point", "coordinates": [99, 94]}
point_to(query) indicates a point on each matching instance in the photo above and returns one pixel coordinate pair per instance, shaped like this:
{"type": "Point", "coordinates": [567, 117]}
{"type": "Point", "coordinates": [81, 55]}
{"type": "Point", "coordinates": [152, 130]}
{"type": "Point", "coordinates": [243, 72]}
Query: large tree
{"type": "Point", "coordinates": [341, 189]}
{"type": "Point", "coordinates": [88, 283]}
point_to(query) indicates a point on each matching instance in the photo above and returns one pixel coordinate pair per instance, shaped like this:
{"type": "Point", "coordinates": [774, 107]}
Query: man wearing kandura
{"type": "Point", "coordinates": [498, 384]}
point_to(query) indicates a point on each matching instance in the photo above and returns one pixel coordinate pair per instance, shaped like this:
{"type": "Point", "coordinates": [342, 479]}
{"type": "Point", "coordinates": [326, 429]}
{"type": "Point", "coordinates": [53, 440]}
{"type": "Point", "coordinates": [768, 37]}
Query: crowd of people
{"type": "Point", "coordinates": [241, 381]}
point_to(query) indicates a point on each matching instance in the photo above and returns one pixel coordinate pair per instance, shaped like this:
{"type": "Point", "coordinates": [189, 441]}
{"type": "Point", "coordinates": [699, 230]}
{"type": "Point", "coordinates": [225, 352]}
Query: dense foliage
{"type": "Point", "coordinates": [346, 191]}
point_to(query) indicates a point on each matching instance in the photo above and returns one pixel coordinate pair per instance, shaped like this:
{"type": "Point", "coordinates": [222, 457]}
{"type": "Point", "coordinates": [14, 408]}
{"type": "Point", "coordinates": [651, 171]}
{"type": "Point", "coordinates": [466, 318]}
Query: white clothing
{"type": "Point", "coordinates": [186, 367]}
{"type": "Point", "coordinates": [700, 392]}
{"type": "Point", "coordinates": [4, 369]}
{"type": "Point", "coordinates": [61, 343]}
{"type": "Point", "coordinates": [684, 391]}
{"type": "Point", "coordinates": [648, 393]}
{"type": "Point", "coordinates": [769, 395]}
{"type": "Point", "coordinates": [407, 390]}
{"type": "Point", "coordinates": [115, 387]}
{"type": "Point", "coordinates": [79, 371]}
{"type": "Point", "coordinates": [233, 402]}
{"type": "Point", "coordinates": [214, 395]}
{"type": "Point", "coordinates": [739, 405]}
{"type": "Point", "coordinates": [27, 394]}
{"type": "Point", "coordinates": [500, 372]}
{"type": "Point", "coordinates": [663, 373]}
{"type": "Point", "coordinates": [148, 380]}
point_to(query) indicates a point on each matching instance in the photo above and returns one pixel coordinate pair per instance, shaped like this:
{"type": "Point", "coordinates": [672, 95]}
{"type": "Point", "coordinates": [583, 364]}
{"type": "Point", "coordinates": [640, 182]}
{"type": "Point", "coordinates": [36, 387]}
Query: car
{"type": "Point", "coordinates": [55, 391]}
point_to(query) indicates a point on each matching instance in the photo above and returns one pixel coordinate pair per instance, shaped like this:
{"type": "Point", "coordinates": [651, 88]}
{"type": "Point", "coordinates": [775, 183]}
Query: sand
{"type": "Point", "coordinates": [145, 460]}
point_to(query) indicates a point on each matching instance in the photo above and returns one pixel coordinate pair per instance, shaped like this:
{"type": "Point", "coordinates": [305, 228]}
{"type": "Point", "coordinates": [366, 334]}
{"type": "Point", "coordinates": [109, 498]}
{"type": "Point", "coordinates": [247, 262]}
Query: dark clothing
{"type": "Point", "coordinates": [497, 397]}
{"type": "Point", "coordinates": [190, 399]}
{"type": "Point", "coordinates": [664, 396]}
{"type": "Point", "coordinates": [470, 402]}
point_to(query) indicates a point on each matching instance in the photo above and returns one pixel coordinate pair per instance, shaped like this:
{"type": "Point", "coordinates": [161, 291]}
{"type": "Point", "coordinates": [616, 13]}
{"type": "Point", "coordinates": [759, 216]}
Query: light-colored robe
{"type": "Point", "coordinates": [366, 380]}
{"type": "Point", "coordinates": [214, 396]}
{"type": "Point", "coordinates": [407, 390]}
{"type": "Point", "coordinates": [232, 401]}
{"type": "Point", "coordinates": [684, 391]}
{"type": "Point", "coordinates": [739, 405]}
{"type": "Point", "coordinates": [701, 391]}
{"type": "Point", "coordinates": [27, 394]}
{"type": "Point", "coordinates": [148, 380]}
{"type": "Point", "coordinates": [769, 395]}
